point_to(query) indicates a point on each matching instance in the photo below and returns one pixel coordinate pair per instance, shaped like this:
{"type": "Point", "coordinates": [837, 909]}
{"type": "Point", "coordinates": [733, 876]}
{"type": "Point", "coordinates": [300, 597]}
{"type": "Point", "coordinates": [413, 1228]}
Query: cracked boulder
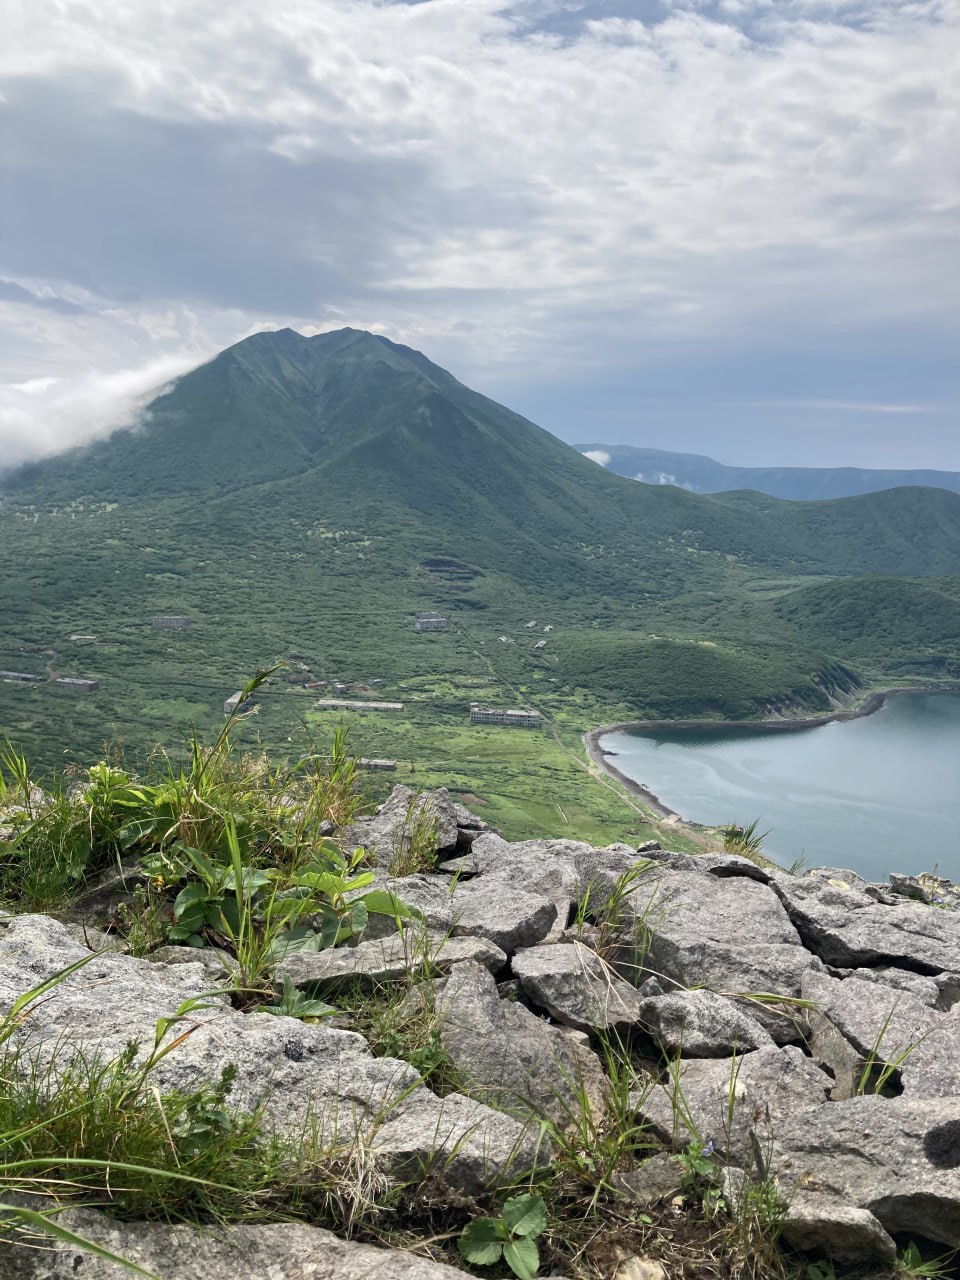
{"type": "Point", "coordinates": [728, 935]}
{"type": "Point", "coordinates": [847, 927]}
{"type": "Point", "coordinates": [741, 1103]}
{"type": "Point", "coordinates": [576, 987]}
{"type": "Point", "coordinates": [389, 830]}
{"type": "Point", "coordinates": [262, 1251]}
{"type": "Point", "coordinates": [484, 907]}
{"type": "Point", "coordinates": [701, 1024]}
{"type": "Point", "coordinates": [888, 1024]}
{"type": "Point", "coordinates": [509, 1057]}
{"type": "Point", "coordinates": [372, 963]}
{"type": "Point", "coordinates": [299, 1073]}
{"type": "Point", "coordinates": [898, 1158]}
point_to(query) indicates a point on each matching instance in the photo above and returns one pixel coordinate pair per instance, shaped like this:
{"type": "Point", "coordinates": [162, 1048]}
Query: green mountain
{"type": "Point", "coordinates": [302, 498]}
{"type": "Point", "coordinates": [700, 474]}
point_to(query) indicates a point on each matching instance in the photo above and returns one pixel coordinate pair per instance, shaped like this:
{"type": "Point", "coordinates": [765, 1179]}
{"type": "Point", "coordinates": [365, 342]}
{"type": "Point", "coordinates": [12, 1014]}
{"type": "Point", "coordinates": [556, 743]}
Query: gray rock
{"type": "Point", "coordinates": [716, 864]}
{"type": "Point", "coordinates": [302, 1075]}
{"type": "Point", "coordinates": [841, 1231]}
{"type": "Point", "coordinates": [890, 1025]}
{"type": "Point", "coordinates": [908, 887]}
{"type": "Point", "coordinates": [284, 1251]}
{"type": "Point", "coordinates": [740, 1103]}
{"type": "Point", "coordinates": [382, 960]}
{"type": "Point", "coordinates": [841, 876]}
{"type": "Point", "coordinates": [899, 1158]}
{"type": "Point", "coordinates": [576, 987]}
{"type": "Point", "coordinates": [510, 1058]}
{"type": "Point", "coordinates": [215, 963]}
{"type": "Point", "coordinates": [701, 1024]}
{"type": "Point", "coordinates": [485, 907]}
{"type": "Point", "coordinates": [97, 902]}
{"type": "Point", "coordinates": [384, 834]}
{"type": "Point", "coordinates": [846, 927]}
{"type": "Point", "coordinates": [95, 939]}
{"type": "Point", "coordinates": [655, 1179]}
{"type": "Point", "coordinates": [729, 935]}
{"type": "Point", "coordinates": [927, 990]}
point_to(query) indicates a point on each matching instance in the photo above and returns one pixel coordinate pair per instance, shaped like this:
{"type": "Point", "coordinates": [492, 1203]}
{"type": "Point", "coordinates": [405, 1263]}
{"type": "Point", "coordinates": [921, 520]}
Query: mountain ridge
{"type": "Point", "coordinates": [704, 475]}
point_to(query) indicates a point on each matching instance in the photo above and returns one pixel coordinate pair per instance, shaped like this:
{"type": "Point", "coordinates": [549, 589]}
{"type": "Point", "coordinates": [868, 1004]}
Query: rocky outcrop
{"type": "Point", "coordinates": [287, 1251]}
{"type": "Point", "coordinates": [807, 1026]}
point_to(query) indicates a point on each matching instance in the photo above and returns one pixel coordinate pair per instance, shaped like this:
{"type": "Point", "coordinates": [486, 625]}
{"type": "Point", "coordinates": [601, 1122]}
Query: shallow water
{"type": "Point", "coordinates": [877, 794]}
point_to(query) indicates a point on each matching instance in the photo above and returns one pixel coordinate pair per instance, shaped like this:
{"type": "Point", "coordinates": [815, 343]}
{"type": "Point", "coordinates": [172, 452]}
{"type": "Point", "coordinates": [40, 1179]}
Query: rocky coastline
{"type": "Point", "coordinates": [803, 1030]}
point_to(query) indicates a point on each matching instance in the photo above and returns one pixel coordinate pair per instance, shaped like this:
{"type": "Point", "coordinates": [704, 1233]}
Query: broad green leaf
{"type": "Point", "coordinates": [525, 1215]}
{"type": "Point", "coordinates": [383, 903]}
{"type": "Point", "coordinates": [482, 1241]}
{"type": "Point", "coordinates": [329, 926]}
{"type": "Point", "coordinates": [522, 1257]}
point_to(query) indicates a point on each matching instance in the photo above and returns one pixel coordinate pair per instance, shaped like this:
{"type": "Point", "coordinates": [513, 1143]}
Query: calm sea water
{"type": "Point", "coordinates": [878, 794]}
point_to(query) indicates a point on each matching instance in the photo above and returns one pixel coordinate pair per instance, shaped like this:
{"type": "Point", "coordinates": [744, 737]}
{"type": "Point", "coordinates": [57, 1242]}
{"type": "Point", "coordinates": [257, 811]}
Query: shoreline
{"type": "Point", "coordinates": [591, 740]}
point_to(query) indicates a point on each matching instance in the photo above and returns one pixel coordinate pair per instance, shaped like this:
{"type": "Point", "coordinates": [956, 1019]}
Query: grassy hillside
{"type": "Point", "coordinates": [301, 499]}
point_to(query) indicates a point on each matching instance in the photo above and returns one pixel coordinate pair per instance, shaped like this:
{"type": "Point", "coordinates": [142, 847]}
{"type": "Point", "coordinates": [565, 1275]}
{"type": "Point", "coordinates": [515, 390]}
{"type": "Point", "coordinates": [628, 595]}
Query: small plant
{"type": "Point", "coordinates": [512, 1236]}
{"type": "Point", "coordinates": [294, 1004]}
{"type": "Point", "coordinates": [745, 841]}
{"type": "Point", "coordinates": [415, 838]}
{"type": "Point", "coordinates": [911, 1264]}
{"type": "Point", "coordinates": [144, 922]}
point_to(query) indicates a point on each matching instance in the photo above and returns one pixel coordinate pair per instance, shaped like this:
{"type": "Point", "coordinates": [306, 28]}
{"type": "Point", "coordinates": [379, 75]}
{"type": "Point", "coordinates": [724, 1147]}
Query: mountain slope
{"type": "Point", "coordinates": [306, 496]}
{"type": "Point", "coordinates": [700, 474]}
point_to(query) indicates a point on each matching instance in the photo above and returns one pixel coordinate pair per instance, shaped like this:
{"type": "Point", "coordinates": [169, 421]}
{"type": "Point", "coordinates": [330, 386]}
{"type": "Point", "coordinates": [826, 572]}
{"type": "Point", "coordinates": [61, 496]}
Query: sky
{"type": "Point", "coordinates": [718, 226]}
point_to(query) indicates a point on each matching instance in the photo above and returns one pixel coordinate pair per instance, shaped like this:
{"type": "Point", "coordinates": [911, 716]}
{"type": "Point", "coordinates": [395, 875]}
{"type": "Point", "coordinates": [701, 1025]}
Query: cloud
{"type": "Point", "coordinates": [527, 189]}
{"type": "Point", "coordinates": [43, 416]}
{"type": "Point", "coordinates": [663, 477]}
{"type": "Point", "coordinates": [599, 456]}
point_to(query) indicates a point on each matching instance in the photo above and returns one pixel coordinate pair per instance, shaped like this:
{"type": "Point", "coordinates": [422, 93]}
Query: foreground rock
{"type": "Point", "coordinates": [288, 1251]}
{"type": "Point", "coordinates": [301, 1075]}
{"type": "Point", "coordinates": [898, 1158]}
{"type": "Point", "coordinates": [764, 1001]}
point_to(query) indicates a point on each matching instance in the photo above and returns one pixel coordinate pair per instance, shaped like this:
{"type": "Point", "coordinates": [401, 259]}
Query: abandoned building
{"type": "Point", "coordinates": [378, 766]}
{"type": "Point", "coordinates": [541, 644]}
{"type": "Point", "coordinates": [77, 686]}
{"type": "Point", "coordinates": [23, 676]}
{"type": "Point", "coordinates": [430, 622]}
{"type": "Point", "coordinates": [235, 704]}
{"type": "Point", "coordinates": [498, 715]}
{"type": "Point", "coordinates": [344, 704]}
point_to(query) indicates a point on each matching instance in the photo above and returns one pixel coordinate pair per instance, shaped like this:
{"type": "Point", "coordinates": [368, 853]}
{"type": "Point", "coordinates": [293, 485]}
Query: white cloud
{"type": "Point", "coordinates": [599, 456]}
{"type": "Point", "coordinates": [506, 195]}
{"type": "Point", "coordinates": [43, 416]}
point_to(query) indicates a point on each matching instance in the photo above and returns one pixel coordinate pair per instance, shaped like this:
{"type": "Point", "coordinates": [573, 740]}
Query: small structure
{"type": "Point", "coordinates": [170, 622]}
{"type": "Point", "coordinates": [548, 628]}
{"type": "Point", "coordinates": [541, 644]}
{"type": "Point", "coordinates": [339, 687]}
{"type": "Point", "coordinates": [235, 703]}
{"type": "Point", "coordinates": [378, 766]}
{"type": "Point", "coordinates": [77, 686]}
{"type": "Point", "coordinates": [526, 719]}
{"type": "Point", "coordinates": [532, 623]}
{"type": "Point", "coordinates": [430, 622]}
{"type": "Point", "coordinates": [504, 639]}
{"type": "Point", "coordinates": [344, 704]}
{"type": "Point", "coordinates": [23, 676]}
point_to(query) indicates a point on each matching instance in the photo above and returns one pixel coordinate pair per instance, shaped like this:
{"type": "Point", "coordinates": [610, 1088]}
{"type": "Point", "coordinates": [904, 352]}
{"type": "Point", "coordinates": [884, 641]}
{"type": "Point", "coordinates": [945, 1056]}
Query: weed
{"type": "Point", "coordinates": [911, 1264]}
{"type": "Point", "coordinates": [415, 838]}
{"type": "Point", "coordinates": [745, 841]}
{"type": "Point", "coordinates": [512, 1236]}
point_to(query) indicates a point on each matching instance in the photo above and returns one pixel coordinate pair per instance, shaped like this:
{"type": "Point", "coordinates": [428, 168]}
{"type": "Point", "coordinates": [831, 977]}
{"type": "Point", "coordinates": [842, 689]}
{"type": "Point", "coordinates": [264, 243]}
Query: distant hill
{"type": "Point", "coordinates": [699, 474]}
{"type": "Point", "coordinates": [303, 498]}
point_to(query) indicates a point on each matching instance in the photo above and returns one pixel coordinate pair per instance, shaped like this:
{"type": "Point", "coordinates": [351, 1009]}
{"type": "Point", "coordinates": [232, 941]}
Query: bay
{"type": "Point", "coordinates": [877, 794]}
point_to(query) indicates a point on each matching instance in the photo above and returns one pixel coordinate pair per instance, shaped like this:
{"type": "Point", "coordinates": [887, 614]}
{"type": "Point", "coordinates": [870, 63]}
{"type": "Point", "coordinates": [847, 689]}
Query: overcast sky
{"type": "Point", "coordinates": [725, 227]}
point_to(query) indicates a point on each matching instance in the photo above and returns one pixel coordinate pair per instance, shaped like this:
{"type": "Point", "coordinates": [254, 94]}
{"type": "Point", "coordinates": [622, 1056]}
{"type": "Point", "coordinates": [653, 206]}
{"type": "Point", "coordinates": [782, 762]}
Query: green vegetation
{"type": "Point", "coordinates": [511, 1236]}
{"type": "Point", "coordinates": [301, 499]}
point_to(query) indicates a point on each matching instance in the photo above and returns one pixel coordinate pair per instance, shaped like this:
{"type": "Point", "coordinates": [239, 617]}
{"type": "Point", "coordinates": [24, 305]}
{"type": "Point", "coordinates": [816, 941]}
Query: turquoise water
{"type": "Point", "coordinates": [878, 794]}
